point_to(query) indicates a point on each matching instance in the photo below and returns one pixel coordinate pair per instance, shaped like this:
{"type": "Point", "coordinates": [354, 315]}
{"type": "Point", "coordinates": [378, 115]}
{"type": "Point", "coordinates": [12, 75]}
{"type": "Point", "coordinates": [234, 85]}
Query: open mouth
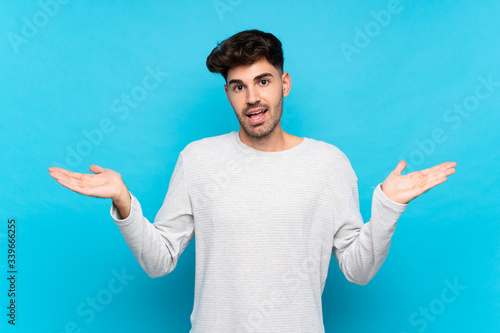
{"type": "Point", "coordinates": [257, 117]}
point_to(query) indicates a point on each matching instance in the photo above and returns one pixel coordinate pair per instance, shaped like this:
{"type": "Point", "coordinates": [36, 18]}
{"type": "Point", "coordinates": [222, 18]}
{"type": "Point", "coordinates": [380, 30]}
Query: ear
{"type": "Point", "coordinates": [287, 83]}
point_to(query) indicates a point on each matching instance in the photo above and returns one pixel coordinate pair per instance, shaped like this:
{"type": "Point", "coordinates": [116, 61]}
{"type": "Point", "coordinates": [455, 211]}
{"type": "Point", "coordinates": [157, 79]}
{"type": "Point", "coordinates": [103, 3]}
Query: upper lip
{"type": "Point", "coordinates": [256, 110]}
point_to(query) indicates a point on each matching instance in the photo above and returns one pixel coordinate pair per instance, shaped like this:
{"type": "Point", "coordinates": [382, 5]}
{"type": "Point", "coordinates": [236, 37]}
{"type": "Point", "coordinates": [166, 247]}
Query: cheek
{"type": "Point", "coordinates": [236, 103]}
{"type": "Point", "coordinates": [274, 96]}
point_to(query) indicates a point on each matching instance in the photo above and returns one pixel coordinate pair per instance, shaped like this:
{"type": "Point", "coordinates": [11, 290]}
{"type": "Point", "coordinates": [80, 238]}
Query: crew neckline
{"type": "Point", "coordinates": [247, 148]}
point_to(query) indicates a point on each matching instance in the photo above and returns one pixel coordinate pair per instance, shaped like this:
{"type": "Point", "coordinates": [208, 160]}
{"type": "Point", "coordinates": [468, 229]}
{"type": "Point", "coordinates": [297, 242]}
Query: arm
{"type": "Point", "coordinates": [157, 246]}
{"type": "Point", "coordinates": [361, 248]}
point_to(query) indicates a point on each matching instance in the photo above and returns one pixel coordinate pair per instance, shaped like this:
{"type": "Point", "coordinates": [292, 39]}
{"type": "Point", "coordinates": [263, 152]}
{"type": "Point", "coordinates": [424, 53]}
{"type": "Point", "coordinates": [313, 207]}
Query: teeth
{"type": "Point", "coordinates": [256, 112]}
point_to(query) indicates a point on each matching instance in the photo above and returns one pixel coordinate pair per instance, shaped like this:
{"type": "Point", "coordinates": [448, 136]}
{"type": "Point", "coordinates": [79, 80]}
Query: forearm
{"type": "Point", "coordinates": [362, 258]}
{"type": "Point", "coordinates": [144, 240]}
{"type": "Point", "coordinates": [156, 246]}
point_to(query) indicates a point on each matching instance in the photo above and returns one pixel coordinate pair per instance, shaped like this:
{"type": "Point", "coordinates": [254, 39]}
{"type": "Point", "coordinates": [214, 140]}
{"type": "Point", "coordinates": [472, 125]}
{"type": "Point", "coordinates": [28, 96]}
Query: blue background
{"type": "Point", "coordinates": [378, 104]}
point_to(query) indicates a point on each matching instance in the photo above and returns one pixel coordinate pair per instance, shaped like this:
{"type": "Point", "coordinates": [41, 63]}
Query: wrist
{"type": "Point", "coordinates": [393, 197]}
{"type": "Point", "coordinates": [122, 196]}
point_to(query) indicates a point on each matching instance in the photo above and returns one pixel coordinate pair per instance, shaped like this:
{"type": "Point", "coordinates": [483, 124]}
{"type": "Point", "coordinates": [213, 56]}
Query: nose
{"type": "Point", "coordinates": [252, 95]}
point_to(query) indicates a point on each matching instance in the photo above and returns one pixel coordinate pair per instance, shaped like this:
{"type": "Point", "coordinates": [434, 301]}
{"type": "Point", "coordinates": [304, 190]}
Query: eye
{"type": "Point", "coordinates": [264, 80]}
{"type": "Point", "coordinates": [235, 88]}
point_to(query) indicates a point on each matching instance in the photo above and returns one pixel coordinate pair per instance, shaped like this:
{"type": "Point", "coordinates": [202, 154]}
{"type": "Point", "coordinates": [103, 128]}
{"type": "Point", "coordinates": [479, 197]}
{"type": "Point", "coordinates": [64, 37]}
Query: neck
{"type": "Point", "coordinates": [277, 140]}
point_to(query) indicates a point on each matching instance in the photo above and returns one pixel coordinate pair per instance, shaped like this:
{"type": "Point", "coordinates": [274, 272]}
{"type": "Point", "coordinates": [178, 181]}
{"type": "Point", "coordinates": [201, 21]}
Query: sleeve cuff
{"type": "Point", "coordinates": [134, 209]}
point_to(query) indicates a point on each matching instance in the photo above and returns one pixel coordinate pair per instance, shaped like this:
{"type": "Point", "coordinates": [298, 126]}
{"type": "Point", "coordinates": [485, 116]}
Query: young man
{"type": "Point", "coordinates": [269, 208]}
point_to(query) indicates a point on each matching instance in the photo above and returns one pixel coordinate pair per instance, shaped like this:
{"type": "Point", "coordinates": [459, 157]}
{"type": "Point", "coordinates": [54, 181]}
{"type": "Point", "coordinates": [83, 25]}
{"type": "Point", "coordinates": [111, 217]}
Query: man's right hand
{"type": "Point", "coordinates": [106, 183]}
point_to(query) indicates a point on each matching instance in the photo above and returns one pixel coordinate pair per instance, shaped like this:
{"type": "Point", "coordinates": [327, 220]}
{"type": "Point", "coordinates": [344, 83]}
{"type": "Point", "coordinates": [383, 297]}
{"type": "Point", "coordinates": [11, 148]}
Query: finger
{"type": "Point", "coordinates": [67, 173]}
{"type": "Point", "coordinates": [438, 168]}
{"type": "Point", "coordinates": [445, 173]}
{"type": "Point", "coordinates": [69, 180]}
{"type": "Point", "coordinates": [441, 170]}
{"type": "Point", "coordinates": [434, 183]}
{"type": "Point", "coordinates": [96, 169]}
{"type": "Point", "coordinates": [433, 169]}
{"type": "Point", "coordinates": [431, 178]}
{"type": "Point", "coordinates": [84, 183]}
{"type": "Point", "coordinates": [72, 187]}
{"type": "Point", "coordinates": [400, 167]}
{"type": "Point", "coordinates": [58, 175]}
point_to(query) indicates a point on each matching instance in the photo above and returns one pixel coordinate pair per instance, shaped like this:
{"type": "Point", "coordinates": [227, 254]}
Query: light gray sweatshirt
{"type": "Point", "coordinates": [266, 225]}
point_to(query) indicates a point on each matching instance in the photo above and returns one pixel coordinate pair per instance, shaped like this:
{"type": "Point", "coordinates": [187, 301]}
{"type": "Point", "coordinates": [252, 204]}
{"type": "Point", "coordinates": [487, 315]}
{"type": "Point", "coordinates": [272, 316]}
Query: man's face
{"type": "Point", "coordinates": [257, 87]}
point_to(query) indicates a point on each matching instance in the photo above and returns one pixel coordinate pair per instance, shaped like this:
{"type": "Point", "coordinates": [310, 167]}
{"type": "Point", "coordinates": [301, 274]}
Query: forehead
{"type": "Point", "coordinates": [249, 72]}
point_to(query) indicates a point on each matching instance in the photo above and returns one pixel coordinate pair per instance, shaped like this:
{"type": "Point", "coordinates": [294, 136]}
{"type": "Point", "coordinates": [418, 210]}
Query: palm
{"type": "Point", "coordinates": [404, 188]}
{"type": "Point", "coordinates": [106, 183]}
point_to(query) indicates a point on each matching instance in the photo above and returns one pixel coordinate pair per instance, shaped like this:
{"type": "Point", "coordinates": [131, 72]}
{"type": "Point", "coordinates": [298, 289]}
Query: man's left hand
{"type": "Point", "coordinates": [404, 188]}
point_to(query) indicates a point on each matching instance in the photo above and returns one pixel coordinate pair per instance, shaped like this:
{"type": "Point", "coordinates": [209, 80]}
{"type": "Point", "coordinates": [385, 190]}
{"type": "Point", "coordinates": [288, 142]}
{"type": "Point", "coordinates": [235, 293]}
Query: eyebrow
{"type": "Point", "coordinates": [257, 78]}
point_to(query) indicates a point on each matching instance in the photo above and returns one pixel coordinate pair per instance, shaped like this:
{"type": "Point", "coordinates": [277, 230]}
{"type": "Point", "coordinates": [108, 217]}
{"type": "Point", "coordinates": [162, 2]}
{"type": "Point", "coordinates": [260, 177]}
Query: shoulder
{"type": "Point", "coordinates": [333, 158]}
{"type": "Point", "coordinates": [328, 150]}
{"type": "Point", "coordinates": [207, 146]}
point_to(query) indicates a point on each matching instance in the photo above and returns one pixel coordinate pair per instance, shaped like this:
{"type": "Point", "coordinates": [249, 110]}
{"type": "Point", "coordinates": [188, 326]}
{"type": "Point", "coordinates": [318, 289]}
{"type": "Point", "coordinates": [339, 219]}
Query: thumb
{"type": "Point", "coordinates": [96, 169]}
{"type": "Point", "coordinates": [400, 167]}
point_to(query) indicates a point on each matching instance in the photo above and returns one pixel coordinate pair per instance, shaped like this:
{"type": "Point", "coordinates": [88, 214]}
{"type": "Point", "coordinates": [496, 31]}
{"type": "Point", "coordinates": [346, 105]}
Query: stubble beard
{"type": "Point", "coordinates": [272, 119]}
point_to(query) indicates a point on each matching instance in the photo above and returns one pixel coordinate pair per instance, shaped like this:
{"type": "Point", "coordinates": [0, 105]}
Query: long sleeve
{"type": "Point", "coordinates": [361, 248]}
{"type": "Point", "coordinates": [157, 246]}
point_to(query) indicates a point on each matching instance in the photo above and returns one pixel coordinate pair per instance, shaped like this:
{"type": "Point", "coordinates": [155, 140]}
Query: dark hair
{"type": "Point", "coordinates": [245, 48]}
